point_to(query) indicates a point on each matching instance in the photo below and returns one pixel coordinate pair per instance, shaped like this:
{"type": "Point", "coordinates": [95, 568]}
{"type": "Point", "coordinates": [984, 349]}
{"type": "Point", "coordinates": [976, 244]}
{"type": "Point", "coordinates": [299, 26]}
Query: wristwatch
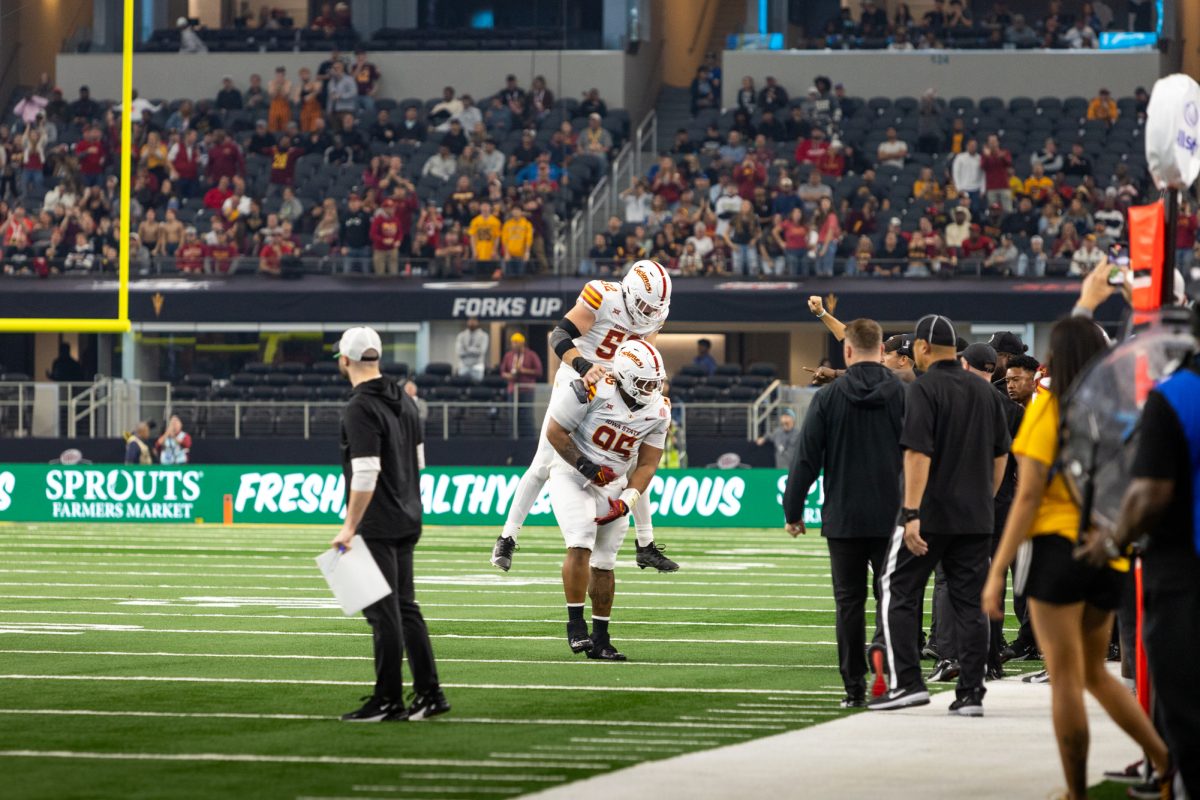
{"type": "Point", "coordinates": [910, 514]}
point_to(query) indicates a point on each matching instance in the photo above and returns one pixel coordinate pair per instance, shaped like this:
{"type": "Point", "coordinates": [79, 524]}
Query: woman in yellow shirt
{"type": "Point", "coordinates": [1071, 604]}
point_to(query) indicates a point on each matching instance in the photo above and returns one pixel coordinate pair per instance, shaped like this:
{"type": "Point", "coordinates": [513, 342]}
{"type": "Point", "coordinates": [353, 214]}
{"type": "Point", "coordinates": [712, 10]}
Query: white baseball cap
{"type": "Point", "coordinates": [357, 341]}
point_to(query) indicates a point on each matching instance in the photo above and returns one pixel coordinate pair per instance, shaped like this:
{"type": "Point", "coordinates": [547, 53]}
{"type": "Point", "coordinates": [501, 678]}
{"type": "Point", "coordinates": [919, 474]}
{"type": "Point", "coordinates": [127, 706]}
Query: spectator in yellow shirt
{"type": "Point", "coordinates": [1015, 185]}
{"type": "Point", "coordinates": [926, 187]}
{"type": "Point", "coordinates": [517, 238]}
{"type": "Point", "coordinates": [484, 233]}
{"type": "Point", "coordinates": [1038, 185]}
{"type": "Point", "coordinates": [1103, 107]}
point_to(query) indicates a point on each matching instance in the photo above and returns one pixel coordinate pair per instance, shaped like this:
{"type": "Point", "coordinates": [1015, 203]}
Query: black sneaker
{"type": "Point", "coordinates": [375, 709]}
{"type": "Point", "coordinates": [945, 671]}
{"type": "Point", "coordinates": [900, 698]}
{"type": "Point", "coordinates": [578, 638]}
{"type": "Point", "coordinates": [994, 672]}
{"type": "Point", "coordinates": [1037, 677]}
{"type": "Point", "coordinates": [652, 556]}
{"type": "Point", "coordinates": [1159, 786]}
{"type": "Point", "coordinates": [929, 651]}
{"type": "Point", "coordinates": [428, 705]}
{"type": "Point", "coordinates": [854, 699]}
{"type": "Point", "coordinates": [604, 651]}
{"type": "Point", "coordinates": [968, 704]}
{"type": "Point", "coordinates": [502, 552]}
{"type": "Point", "coordinates": [1016, 652]}
{"type": "Point", "coordinates": [1114, 651]}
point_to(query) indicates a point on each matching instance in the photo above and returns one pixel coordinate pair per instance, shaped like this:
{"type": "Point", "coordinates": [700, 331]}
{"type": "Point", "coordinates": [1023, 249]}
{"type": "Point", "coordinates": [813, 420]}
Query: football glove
{"type": "Point", "coordinates": [597, 474]}
{"type": "Point", "coordinates": [616, 510]}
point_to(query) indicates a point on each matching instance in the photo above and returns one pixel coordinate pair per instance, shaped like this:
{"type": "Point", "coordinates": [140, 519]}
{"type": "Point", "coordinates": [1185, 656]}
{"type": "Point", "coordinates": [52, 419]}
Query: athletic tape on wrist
{"type": "Point", "coordinates": [630, 497]}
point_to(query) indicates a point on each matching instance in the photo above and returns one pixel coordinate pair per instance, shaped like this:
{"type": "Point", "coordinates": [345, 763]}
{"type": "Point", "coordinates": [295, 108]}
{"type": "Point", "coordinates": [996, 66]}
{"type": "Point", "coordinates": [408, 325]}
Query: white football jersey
{"type": "Point", "coordinates": [606, 430]}
{"type": "Point", "coordinates": [612, 325]}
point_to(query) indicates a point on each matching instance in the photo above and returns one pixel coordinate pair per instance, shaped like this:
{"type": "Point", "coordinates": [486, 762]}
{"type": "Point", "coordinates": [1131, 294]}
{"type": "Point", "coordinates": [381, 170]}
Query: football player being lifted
{"type": "Point", "coordinates": [605, 451]}
{"type": "Point", "coordinates": [605, 316]}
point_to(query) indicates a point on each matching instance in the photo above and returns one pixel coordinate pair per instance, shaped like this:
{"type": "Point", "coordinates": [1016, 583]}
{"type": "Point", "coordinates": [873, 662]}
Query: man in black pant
{"type": "Point", "coordinates": [852, 432]}
{"type": "Point", "coordinates": [956, 446]}
{"type": "Point", "coordinates": [381, 461]}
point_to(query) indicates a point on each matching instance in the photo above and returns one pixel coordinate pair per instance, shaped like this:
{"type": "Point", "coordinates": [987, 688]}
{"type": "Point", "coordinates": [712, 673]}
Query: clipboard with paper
{"type": "Point", "coordinates": [353, 576]}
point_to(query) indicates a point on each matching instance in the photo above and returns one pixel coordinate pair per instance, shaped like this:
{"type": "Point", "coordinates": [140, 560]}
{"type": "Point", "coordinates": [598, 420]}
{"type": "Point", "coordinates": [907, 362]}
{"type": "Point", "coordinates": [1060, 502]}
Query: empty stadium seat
{"type": "Point", "coordinates": [257, 421]}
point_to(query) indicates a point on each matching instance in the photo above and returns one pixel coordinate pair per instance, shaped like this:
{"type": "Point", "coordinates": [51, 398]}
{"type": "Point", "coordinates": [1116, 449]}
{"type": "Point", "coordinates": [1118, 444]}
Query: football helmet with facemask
{"type": "Point", "coordinates": [647, 292]}
{"type": "Point", "coordinates": [638, 369]}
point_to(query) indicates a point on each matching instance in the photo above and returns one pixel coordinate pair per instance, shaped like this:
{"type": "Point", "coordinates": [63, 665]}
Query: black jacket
{"type": "Point", "coordinates": [852, 432]}
{"type": "Point", "coordinates": [380, 420]}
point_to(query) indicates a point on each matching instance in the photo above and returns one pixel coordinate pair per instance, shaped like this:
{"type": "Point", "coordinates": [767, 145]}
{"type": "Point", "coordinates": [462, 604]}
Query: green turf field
{"type": "Point", "coordinates": [202, 661]}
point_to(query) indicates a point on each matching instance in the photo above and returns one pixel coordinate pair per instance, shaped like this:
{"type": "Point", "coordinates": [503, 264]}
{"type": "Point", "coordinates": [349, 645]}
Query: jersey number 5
{"type": "Point", "coordinates": [620, 443]}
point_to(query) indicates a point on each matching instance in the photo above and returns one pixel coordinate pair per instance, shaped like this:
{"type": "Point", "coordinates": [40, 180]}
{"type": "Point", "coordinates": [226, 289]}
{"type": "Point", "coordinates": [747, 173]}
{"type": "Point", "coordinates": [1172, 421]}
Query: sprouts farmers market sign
{"type": "Point", "coordinates": [316, 495]}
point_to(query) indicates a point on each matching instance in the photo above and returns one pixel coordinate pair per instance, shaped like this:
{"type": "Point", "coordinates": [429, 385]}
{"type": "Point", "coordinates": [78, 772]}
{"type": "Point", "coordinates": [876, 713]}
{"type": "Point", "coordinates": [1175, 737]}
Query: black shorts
{"type": "Point", "coordinates": [1056, 577]}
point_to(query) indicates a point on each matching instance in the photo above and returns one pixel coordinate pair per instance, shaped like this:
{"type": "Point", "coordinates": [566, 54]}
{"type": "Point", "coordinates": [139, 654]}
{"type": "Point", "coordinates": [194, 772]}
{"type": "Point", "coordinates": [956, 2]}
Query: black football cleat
{"type": "Point", "coordinates": [428, 705]}
{"type": "Point", "coordinates": [375, 709]}
{"type": "Point", "coordinates": [578, 638]}
{"type": "Point", "coordinates": [604, 651]}
{"type": "Point", "coordinates": [652, 556]}
{"type": "Point", "coordinates": [502, 552]}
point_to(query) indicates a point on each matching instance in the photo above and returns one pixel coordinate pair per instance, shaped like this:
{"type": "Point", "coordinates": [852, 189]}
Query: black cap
{"type": "Point", "coordinates": [961, 344]}
{"type": "Point", "coordinates": [899, 344]}
{"type": "Point", "coordinates": [937, 330]}
{"type": "Point", "coordinates": [980, 356]}
{"type": "Point", "coordinates": [1007, 342]}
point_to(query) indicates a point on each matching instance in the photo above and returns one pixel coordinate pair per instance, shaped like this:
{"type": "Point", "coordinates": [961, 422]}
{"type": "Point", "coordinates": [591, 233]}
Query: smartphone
{"type": "Point", "coordinates": [1115, 276]}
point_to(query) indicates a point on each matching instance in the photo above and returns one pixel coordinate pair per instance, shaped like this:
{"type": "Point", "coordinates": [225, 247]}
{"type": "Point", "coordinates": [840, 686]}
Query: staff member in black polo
{"type": "Point", "coordinates": [956, 446]}
{"type": "Point", "coordinates": [852, 432]}
{"type": "Point", "coordinates": [381, 455]}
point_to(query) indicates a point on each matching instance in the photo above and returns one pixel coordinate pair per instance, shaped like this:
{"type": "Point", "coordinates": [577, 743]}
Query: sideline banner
{"type": "Point", "coordinates": [295, 495]}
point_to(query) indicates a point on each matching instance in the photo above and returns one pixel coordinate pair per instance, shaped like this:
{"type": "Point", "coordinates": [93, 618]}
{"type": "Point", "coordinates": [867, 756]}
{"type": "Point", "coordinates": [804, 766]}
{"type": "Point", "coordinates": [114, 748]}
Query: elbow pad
{"type": "Point", "coordinates": [365, 474]}
{"type": "Point", "coordinates": [563, 336]}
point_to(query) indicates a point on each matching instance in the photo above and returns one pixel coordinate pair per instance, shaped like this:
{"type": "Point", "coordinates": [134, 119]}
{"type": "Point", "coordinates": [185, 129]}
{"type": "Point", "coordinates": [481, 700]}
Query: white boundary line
{"type": "Point", "coordinates": [489, 686]}
{"type": "Point", "coordinates": [292, 759]}
{"type": "Point", "coordinates": [435, 789]}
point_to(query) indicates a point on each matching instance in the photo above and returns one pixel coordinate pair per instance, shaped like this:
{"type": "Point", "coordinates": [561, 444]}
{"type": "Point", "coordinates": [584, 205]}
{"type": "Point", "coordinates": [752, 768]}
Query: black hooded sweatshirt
{"type": "Point", "coordinates": [380, 420]}
{"type": "Point", "coordinates": [852, 432]}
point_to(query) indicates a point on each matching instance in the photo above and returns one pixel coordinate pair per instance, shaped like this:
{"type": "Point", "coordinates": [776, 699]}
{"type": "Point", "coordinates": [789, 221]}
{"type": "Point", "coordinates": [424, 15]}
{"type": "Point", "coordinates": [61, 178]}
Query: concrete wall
{"type": "Point", "coordinates": [951, 73]}
{"type": "Point", "coordinates": [42, 26]}
{"type": "Point", "coordinates": [408, 74]}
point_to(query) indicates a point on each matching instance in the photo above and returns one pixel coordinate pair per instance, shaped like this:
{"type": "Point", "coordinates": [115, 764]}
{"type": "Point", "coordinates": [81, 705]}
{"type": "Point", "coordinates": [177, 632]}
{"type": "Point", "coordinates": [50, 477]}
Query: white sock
{"type": "Point", "coordinates": [643, 527]}
{"type": "Point", "coordinates": [528, 491]}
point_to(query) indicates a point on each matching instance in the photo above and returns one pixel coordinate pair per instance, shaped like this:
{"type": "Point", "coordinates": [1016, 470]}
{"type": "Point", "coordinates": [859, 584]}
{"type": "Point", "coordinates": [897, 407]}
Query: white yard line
{"type": "Point", "coordinates": [467, 776]}
{"type": "Point", "coordinates": [489, 686]}
{"type": "Point", "coordinates": [305, 657]}
{"type": "Point", "coordinates": [506, 637]}
{"type": "Point", "coordinates": [701, 730]}
{"type": "Point", "coordinates": [442, 572]}
{"type": "Point", "coordinates": [492, 588]}
{"type": "Point", "coordinates": [247, 758]}
{"type": "Point", "coordinates": [285, 600]}
{"type": "Point", "coordinates": [664, 742]}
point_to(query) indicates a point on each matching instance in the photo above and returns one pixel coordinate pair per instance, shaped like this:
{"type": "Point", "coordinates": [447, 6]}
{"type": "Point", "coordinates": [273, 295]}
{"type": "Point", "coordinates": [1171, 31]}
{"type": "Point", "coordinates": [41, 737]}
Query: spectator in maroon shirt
{"type": "Point", "coordinates": [283, 162]}
{"type": "Point", "coordinates": [995, 162]}
{"type": "Point", "coordinates": [225, 158]}
{"type": "Point", "coordinates": [748, 175]}
{"type": "Point", "coordinates": [92, 156]}
{"type": "Point", "coordinates": [186, 157]}
{"type": "Point", "coordinates": [813, 149]}
{"type": "Point", "coordinates": [977, 246]}
{"type": "Point", "coordinates": [406, 209]}
{"type": "Point", "coordinates": [215, 197]}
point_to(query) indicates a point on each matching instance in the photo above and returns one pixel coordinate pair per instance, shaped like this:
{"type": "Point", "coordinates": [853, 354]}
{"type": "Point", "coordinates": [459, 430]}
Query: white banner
{"type": "Point", "coordinates": [1172, 132]}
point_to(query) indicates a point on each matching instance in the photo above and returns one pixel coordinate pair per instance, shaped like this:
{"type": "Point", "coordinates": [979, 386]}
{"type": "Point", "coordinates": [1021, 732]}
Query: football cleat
{"type": "Point", "coordinates": [502, 552]}
{"type": "Point", "coordinates": [428, 705]}
{"type": "Point", "coordinates": [900, 698]}
{"type": "Point", "coordinates": [652, 556]}
{"type": "Point", "coordinates": [604, 651]}
{"type": "Point", "coordinates": [376, 709]}
{"type": "Point", "coordinates": [578, 638]}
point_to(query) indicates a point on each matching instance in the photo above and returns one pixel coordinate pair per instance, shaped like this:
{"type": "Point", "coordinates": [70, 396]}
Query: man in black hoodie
{"type": "Point", "coordinates": [381, 461]}
{"type": "Point", "coordinates": [852, 432]}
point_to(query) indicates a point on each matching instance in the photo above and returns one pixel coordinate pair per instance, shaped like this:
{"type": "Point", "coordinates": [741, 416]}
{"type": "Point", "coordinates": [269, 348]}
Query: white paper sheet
{"type": "Point", "coordinates": [353, 576]}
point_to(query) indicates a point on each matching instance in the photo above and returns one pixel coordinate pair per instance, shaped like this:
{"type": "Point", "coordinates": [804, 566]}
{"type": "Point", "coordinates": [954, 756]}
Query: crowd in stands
{"type": "Point", "coordinates": [949, 23]}
{"type": "Point", "coordinates": [824, 183]}
{"type": "Point", "coordinates": [320, 165]}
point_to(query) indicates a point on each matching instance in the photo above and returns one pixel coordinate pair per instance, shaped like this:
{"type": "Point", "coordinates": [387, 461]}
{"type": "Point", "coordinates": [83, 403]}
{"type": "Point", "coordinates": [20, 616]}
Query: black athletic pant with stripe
{"type": "Point", "coordinates": [398, 626]}
{"type": "Point", "coordinates": [849, 558]}
{"type": "Point", "coordinates": [1171, 633]}
{"type": "Point", "coordinates": [965, 559]}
